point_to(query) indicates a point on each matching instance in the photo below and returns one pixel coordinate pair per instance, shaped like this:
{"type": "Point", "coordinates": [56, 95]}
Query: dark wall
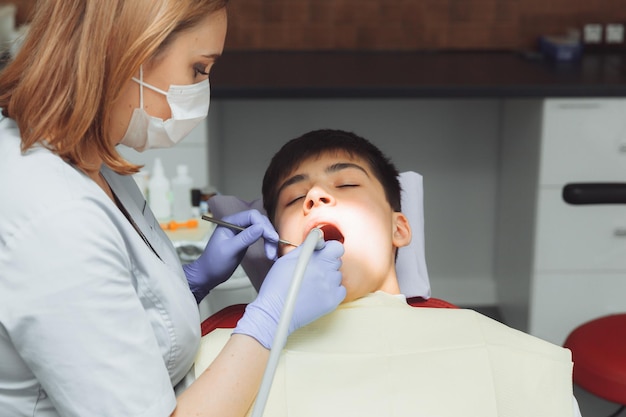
{"type": "Point", "coordinates": [409, 24]}
{"type": "Point", "coordinates": [402, 24]}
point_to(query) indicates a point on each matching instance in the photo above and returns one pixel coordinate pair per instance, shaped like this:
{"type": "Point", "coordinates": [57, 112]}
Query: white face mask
{"type": "Point", "coordinates": [189, 105]}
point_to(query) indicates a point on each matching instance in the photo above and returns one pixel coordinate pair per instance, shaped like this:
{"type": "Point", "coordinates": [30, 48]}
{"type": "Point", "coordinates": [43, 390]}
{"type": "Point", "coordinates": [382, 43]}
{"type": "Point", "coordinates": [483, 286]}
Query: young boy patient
{"type": "Point", "coordinates": [376, 355]}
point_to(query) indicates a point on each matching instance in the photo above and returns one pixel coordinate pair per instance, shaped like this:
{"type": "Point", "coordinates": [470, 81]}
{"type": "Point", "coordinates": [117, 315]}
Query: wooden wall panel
{"type": "Point", "coordinates": [402, 24]}
{"type": "Point", "coordinates": [409, 24]}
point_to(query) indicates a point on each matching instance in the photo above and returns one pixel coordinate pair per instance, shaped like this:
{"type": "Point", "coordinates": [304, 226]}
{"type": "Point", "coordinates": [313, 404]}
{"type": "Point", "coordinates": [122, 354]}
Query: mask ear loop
{"type": "Point", "coordinates": [151, 87]}
{"type": "Point", "coordinates": [141, 86]}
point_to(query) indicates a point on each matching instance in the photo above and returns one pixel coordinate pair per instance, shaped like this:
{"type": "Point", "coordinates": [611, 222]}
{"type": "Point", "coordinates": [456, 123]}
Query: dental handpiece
{"type": "Point", "coordinates": [313, 241]}
{"type": "Point", "coordinates": [238, 228]}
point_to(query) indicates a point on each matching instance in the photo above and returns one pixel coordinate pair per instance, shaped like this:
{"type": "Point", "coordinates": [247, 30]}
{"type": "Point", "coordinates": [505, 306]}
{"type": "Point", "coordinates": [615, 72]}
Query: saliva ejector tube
{"type": "Point", "coordinates": [314, 241]}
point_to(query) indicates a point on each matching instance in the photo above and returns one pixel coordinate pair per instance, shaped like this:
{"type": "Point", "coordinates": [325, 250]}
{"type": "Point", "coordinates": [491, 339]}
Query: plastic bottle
{"type": "Point", "coordinates": [181, 193]}
{"type": "Point", "coordinates": [159, 192]}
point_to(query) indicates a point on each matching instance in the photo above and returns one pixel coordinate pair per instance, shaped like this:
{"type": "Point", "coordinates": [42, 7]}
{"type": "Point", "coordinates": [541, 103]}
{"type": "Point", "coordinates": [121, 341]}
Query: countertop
{"type": "Point", "coordinates": [388, 74]}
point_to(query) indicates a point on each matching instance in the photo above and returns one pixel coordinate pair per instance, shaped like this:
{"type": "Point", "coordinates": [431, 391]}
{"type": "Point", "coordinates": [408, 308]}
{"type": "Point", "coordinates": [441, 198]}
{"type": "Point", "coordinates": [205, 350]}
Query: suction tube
{"type": "Point", "coordinates": [313, 241]}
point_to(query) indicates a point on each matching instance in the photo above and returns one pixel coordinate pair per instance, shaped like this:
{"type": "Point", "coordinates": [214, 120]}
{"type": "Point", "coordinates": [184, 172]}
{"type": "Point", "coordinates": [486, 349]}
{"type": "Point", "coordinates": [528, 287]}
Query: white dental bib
{"type": "Point", "coordinates": [378, 356]}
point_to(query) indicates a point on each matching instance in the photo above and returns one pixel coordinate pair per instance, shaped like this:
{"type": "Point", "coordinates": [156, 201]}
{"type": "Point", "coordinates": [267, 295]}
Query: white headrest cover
{"type": "Point", "coordinates": [411, 262]}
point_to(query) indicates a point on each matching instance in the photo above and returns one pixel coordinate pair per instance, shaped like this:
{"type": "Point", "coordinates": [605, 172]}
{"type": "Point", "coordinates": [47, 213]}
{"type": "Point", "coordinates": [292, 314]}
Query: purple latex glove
{"type": "Point", "coordinates": [226, 249]}
{"type": "Point", "coordinates": [320, 293]}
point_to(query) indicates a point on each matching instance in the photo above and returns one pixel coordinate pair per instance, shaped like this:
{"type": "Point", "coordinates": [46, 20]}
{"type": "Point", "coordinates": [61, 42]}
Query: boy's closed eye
{"type": "Point", "coordinates": [294, 200]}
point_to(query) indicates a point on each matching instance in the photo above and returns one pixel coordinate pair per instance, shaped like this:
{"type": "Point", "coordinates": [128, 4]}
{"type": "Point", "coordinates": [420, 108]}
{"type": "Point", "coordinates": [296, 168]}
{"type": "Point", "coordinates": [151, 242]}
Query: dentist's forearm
{"type": "Point", "coordinates": [229, 385]}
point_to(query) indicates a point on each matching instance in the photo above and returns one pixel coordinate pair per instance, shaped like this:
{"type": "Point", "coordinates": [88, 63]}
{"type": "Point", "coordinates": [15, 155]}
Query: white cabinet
{"type": "Point", "coordinates": [578, 237]}
{"type": "Point", "coordinates": [558, 265]}
{"type": "Point", "coordinates": [583, 140]}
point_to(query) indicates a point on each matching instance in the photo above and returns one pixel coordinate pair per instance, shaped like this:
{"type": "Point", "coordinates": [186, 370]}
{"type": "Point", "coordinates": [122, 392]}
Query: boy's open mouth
{"type": "Point", "coordinates": [331, 232]}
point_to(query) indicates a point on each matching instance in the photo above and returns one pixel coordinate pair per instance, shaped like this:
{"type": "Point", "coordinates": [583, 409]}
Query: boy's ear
{"type": "Point", "coordinates": [402, 230]}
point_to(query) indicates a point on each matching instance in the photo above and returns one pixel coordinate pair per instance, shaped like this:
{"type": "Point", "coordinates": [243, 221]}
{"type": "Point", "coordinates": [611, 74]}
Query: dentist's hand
{"type": "Point", "coordinates": [226, 249]}
{"type": "Point", "coordinates": [320, 293]}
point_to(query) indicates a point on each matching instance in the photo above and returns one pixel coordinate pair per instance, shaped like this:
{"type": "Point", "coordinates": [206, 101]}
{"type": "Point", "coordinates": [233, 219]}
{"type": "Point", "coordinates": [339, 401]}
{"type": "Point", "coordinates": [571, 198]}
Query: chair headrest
{"type": "Point", "coordinates": [410, 264]}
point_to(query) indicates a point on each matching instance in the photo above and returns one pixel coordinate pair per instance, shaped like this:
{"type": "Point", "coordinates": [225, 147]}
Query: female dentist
{"type": "Point", "coordinates": [97, 315]}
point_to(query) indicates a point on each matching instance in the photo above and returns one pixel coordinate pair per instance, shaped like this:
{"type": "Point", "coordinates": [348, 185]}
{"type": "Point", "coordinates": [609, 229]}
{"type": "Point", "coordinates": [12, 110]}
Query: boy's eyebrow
{"type": "Point", "coordinates": [344, 165]}
{"type": "Point", "coordinates": [329, 170]}
{"type": "Point", "coordinates": [290, 181]}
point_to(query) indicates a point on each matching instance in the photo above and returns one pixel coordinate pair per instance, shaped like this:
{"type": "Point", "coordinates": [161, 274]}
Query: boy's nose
{"type": "Point", "coordinates": [317, 196]}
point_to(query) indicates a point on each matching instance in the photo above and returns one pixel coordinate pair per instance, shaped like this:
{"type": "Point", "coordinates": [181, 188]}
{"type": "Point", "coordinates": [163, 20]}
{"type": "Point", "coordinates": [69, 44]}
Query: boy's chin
{"type": "Point", "coordinates": [352, 295]}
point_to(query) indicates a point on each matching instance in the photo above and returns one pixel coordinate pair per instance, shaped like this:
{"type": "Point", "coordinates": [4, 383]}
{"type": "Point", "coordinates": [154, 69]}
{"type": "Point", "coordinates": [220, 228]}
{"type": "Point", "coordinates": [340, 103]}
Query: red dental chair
{"type": "Point", "coordinates": [227, 317]}
{"type": "Point", "coordinates": [599, 346]}
{"type": "Point", "coordinates": [599, 354]}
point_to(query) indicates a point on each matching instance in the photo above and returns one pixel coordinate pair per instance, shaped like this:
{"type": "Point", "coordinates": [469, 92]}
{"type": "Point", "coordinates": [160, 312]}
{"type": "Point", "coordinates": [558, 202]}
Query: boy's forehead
{"type": "Point", "coordinates": [328, 158]}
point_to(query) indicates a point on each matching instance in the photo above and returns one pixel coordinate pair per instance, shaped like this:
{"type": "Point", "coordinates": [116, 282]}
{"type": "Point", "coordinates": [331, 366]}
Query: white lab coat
{"type": "Point", "coordinates": [92, 321]}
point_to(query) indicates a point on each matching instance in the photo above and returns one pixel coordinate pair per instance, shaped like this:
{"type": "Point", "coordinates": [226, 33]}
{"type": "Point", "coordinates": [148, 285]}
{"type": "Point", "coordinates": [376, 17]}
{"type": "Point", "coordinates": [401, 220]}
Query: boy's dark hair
{"type": "Point", "coordinates": [315, 143]}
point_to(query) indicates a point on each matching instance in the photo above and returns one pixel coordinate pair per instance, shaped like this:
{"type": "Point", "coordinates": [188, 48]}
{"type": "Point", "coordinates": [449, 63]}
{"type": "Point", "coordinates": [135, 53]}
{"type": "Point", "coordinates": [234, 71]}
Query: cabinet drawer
{"type": "Point", "coordinates": [579, 237]}
{"type": "Point", "coordinates": [561, 302]}
{"type": "Point", "coordinates": [583, 140]}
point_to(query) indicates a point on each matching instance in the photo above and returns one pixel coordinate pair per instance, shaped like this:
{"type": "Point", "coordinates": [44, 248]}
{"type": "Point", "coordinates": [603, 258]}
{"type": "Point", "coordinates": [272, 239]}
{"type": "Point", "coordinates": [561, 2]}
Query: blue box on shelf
{"type": "Point", "coordinates": [562, 49]}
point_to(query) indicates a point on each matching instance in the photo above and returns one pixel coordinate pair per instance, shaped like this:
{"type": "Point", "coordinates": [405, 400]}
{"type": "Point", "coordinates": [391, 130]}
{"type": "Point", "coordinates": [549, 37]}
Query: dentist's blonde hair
{"type": "Point", "coordinates": [75, 60]}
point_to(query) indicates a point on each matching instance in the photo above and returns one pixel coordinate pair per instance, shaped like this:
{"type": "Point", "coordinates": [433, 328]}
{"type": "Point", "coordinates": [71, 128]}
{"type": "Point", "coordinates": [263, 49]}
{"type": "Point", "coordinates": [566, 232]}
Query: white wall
{"type": "Point", "coordinates": [452, 143]}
